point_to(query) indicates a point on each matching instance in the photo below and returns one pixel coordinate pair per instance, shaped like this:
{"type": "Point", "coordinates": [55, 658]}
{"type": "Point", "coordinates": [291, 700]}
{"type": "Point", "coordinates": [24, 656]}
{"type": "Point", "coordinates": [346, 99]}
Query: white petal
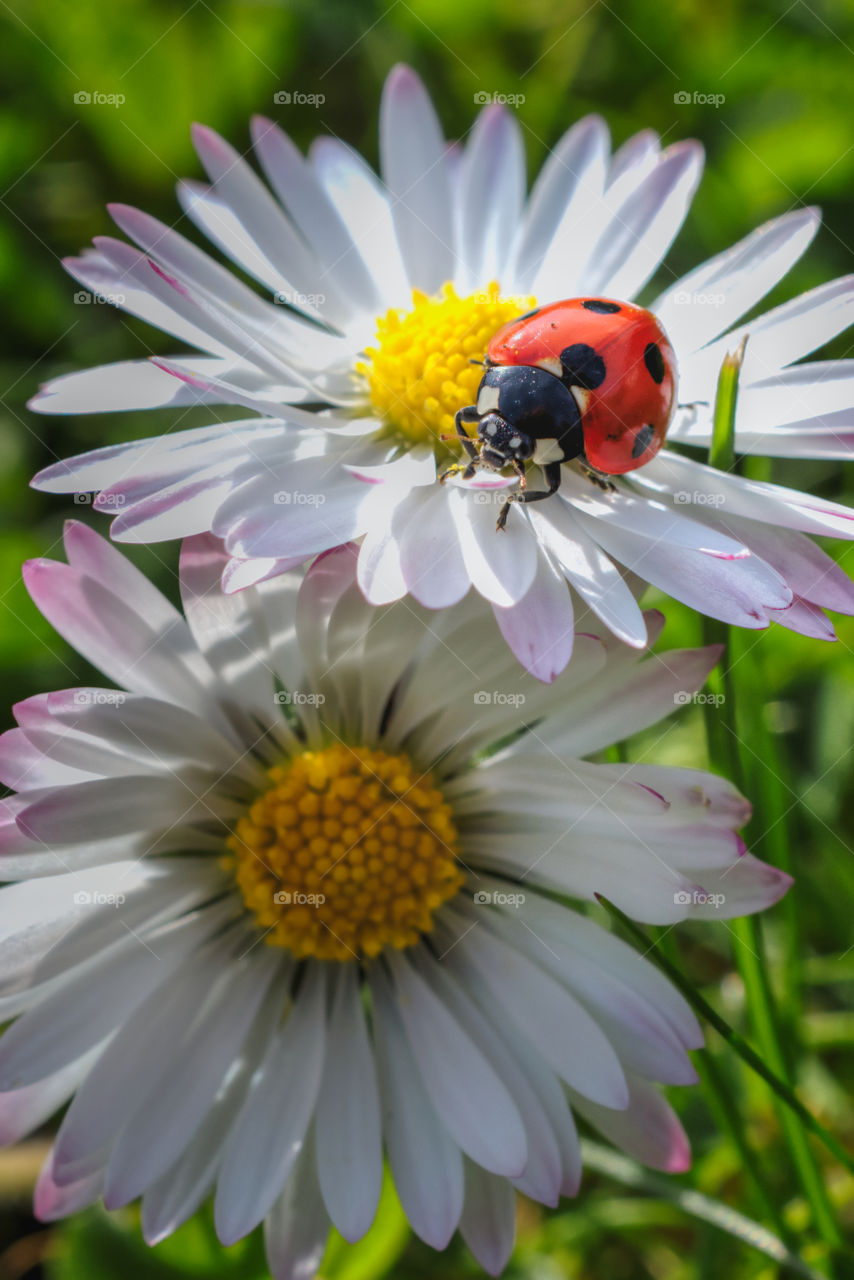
{"type": "Point", "coordinates": [108, 279]}
{"type": "Point", "coordinates": [512, 1059]}
{"type": "Point", "coordinates": [539, 629]}
{"type": "Point", "coordinates": [228, 629]}
{"type": "Point", "coordinates": [86, 1008]}
{"type": "Point", "coordinates": [431, 560]}
{"type": "Point", "coordinates": [610, 709]}
{"type": "Point", "coordinates": [643, 1039]}
{"type": "Point", "coordinates": [569, 184]}
{"type": "Point", "coordinates": [641, 229]}
{"type": "Point", "coordinates": [588, 942]}
{"type": "Point", "coordinates": [217, 220]}
{"type": "Point", "coordinates": [23, 1110]}
{"type": "Point", "coordinates": [129, 647]}
{"type": "Point", "coordinates": [127, 384]}
{"type": "Point", "coordinates": [465, 1090]}
{"type": "Point", "coordinates": [569, 1039]}
{"type": "Point", "coordinates": [296, 1231]}
{"type": "Point", "coordinates": [649, 1129]}
{"type": "Point", "coordinates": [596, 578]}
{"type": "Point", "coordinates": [349, 1150]}
{"type": "Point", "coordinates": [301, 192]}
{"type": "Point", "coordinates": [51, 1201]}
{"type": "Point", "coordinates": [157, 461]}
{"type": "Point", "coordinates": [809, 571]}
{"type": "Point", "coordinates": [488, 1224]}
{"type": "Point", "coordinates": [494, 159]}
{"type": "Point", "coordinates": [710, 298]}
{"type": "Point", "coordinates": [381, 574]}
{"type": "Point", "coordinates": [269, 1133]}
{"type": "Point", "coordinates": [363, 207]}
{"type": "Point", "coordinates": [138, 900]}
{"type": "Point", "coordinates": [162, 1126]}
{"type": "Point", "coordinates": [729, 494]}
{"type": "Point", "coordinates": [425, 1161]}
{"type": "Point", "coordinates": [239, 187]}
{"type": "Point", "coordinates": [500, 563]}
{"type": "Point", "coordinates": [737, 591]}
{"type": "Point", "coordinates": [415, 172]}
{"type": "Point", "coordinates": [178, 1194]}
{"type": "Point", "coordinates": [776, 339]}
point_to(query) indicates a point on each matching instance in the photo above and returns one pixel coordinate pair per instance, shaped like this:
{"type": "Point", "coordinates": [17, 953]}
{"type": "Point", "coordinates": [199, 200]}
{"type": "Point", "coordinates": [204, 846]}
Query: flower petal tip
{"type": "Point", "coordinates": [679, 1160]}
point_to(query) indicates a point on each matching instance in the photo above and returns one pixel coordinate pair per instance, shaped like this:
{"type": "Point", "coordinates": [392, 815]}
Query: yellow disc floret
{"type": "Point", "coordinates": [349, 850]}
{"type": "Point", "coordinates": [420, 373]}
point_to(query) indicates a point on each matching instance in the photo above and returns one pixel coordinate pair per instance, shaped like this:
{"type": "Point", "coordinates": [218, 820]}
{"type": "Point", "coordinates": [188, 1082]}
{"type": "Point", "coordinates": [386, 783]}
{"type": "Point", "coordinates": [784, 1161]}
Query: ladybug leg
{"type": "Point", "coordinates": [467, 415]}
{"type": "Point", "coordinates": [598, 477]}
{"type": "Point", "coordinates": [467, 469]}
{"type": "Point", "coordinates": [691, 409]}
{"type": "Point", "coordinates": [552, 473]}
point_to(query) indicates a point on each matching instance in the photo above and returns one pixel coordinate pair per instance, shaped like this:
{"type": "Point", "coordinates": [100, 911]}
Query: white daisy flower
{"type": "Point", "coordinates": [391, 288]}
{"type": "Point", "coordinates": [279, 910]}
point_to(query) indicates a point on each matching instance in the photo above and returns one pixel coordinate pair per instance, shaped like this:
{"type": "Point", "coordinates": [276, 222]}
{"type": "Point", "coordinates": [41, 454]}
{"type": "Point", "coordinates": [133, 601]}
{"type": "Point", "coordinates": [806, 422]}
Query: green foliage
{"type": "Point", "coordinates": [98, 1246]}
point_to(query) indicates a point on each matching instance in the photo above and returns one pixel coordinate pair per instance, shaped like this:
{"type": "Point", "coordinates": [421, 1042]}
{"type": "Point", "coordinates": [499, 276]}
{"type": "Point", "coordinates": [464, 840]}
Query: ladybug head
{"type": "Point", "coordinates": [501, 442]}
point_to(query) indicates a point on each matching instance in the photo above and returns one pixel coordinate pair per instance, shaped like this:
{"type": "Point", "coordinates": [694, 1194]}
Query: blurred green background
{"type": "Point", "coordinates": [782, 137]}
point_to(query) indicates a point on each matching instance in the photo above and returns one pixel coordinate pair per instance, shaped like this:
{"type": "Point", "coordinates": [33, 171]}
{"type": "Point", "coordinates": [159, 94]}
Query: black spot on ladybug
{"type": "Point", "coordinates": [582, 367]}
{"type": "Point", "coordinates": [527, 315]}
{"type": "Point", "coordinates": [599, 305]}
{"type": "Point", "coordinates": [654, 361]}
{"type": "Point", "coordinates": [643, 439]}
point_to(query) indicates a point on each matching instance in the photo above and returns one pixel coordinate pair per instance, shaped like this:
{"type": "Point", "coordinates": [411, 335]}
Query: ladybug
{"type": "Point", "coordinates": [590, 379]}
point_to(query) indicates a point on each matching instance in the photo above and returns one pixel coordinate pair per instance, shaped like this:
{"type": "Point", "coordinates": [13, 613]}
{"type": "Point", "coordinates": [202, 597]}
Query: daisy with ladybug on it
{"type": "Point", "coordinates": [379, 302]}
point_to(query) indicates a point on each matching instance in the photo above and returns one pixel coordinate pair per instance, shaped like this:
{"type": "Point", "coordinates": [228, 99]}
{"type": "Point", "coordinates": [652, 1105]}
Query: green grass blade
{"type": "Point", "coordinates": [736, 1041]}
{"type": "Point", "coordinates": [611, 1164]}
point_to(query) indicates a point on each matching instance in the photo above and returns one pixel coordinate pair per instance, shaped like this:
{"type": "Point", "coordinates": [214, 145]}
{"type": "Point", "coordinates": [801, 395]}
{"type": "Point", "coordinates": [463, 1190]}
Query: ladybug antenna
{"type": "Point", "coordinates": [480, 362]}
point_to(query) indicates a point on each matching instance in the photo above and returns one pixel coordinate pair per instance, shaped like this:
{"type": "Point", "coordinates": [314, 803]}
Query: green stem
{"type": "Point", "coordinates": [733, 1038]}
{"type": "Point", "coordinates": [727, 1115]}
{"type": "Point", "coordinates": [725, 749]}
{"type": "Point", "coordinates": [763, 771]}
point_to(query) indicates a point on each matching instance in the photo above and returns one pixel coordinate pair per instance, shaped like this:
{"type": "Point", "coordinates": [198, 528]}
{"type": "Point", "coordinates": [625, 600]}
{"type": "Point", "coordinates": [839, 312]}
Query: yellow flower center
{"type": "Point", "coordinates": [420, 372]}
{"type": "Point", "coordinates": [348, 851]}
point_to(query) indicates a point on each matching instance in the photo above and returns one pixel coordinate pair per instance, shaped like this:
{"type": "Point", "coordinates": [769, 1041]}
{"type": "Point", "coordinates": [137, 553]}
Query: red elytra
{"type": "Point", "coordinates": [619, 364]}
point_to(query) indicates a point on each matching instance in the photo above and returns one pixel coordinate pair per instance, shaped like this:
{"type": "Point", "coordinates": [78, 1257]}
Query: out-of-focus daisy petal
{"type": "Point", "coordinates": [228, 964]}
